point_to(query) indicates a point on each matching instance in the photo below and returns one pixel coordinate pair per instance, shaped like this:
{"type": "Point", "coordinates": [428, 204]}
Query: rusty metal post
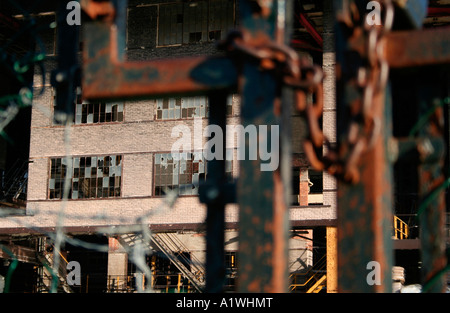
{"type": "Point", "coordinates": [263, 230]}
{"type": "Point", "coordinates": [213, 193]}
{"type": "Point", "coordinates": [364, 207]}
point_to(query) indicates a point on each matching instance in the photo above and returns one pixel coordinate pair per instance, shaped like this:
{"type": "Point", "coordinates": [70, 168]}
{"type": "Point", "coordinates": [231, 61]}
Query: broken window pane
{"type": "Point", "coordinates": [91, 177]}
{"type": "Point", "coordinates": [98, 112]}
{"type": "Point", "coordinates": [182, 171]}
{"type": "Point", "coordinates": [94, 112]}
{"type": "Point", "coordinates": [186, 107]}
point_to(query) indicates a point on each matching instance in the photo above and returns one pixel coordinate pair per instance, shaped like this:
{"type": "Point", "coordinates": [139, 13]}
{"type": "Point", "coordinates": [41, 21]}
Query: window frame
{"type": "Point", "coordinates": [119, 186]}
{"type": "Point", "coordinates": [206, 30]}
{"type": "Point", "coordinates": [79, 102]}
{"type": "Point", "coordinates": [229, 165]}
{"type": "Point", "coordinates": [179, 101]}
{"type": "Point", "coordinates": [154, 186]}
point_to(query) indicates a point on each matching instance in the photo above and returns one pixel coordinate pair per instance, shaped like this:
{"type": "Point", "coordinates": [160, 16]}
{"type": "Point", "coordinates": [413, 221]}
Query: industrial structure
{"type": "Point", "coordinates": [93, 109]}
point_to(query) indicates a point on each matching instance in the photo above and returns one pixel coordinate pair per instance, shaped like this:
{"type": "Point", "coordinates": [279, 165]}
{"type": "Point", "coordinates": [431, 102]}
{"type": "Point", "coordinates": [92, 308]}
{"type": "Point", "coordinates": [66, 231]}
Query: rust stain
{"type": "Point", "coordinates": [254, 286]}
{"type": "Point", "coordinates": [377, 192]}
{"type": "Point", "coordinates": [279, 257]}
{"type": "Point", "coordinates": [96, 9]}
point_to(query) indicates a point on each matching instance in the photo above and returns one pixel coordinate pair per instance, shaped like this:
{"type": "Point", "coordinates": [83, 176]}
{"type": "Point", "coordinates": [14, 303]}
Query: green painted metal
{"type": "Point", "coordinates": [431, 176]}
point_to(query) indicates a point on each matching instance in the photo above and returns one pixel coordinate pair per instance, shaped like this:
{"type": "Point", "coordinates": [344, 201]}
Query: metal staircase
{"type": "Point", "coordinates": [173, 249]}
{"type": "Point", "coordinates": [318, 286]}
{"type": "Point", "coordinates": [45, 276]}
{"type": "Point", "coordinates": [15, 185]}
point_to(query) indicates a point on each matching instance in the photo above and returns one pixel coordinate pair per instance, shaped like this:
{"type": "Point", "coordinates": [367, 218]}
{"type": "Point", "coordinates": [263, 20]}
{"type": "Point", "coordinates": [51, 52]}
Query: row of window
{"type": "Point", "coordinates": [196, 21]}
{"type": "Point", "coordinates": [101, 176]}
{"type": "Point", "coordinates": [166, 109]}
{"type": "Point", "coordinates": [176, 23]}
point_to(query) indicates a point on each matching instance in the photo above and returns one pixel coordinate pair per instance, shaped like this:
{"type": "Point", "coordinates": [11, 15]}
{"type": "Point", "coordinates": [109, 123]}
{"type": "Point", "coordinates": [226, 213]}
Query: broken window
{"type": "Point", "coordinates": [187, 107]}
{"type": "Point", "coordinates": [194, 21]}
{"type": "Point", "coordinates": [182, 171]}
{"type": "Point", "coordinates": [176, 108]}
{"type": "Point", "coordinates": [91, 177]}
{"type": "Point", "coordinates": [95, 112]}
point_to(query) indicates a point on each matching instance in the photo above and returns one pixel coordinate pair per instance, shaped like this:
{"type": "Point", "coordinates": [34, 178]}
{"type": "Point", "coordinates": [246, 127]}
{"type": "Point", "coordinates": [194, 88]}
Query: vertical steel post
{"type": "Point", "coordinates": [364, 208]}
{"type": "Point", "coordinates": [214, 196]}
{"type": "Point", "coordinates": [263, 230]}
{"type": "Point", "coordinates": [431, 176]}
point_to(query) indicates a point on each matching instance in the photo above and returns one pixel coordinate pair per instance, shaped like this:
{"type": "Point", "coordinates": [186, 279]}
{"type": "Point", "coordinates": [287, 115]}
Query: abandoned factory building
{"type": "Point", "coordinates": [123, 170]}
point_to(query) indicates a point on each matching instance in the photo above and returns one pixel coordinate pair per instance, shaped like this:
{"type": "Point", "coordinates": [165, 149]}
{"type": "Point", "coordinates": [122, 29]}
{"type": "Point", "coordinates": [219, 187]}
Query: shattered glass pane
{"type": "Point", "coordinates": [89, 177]}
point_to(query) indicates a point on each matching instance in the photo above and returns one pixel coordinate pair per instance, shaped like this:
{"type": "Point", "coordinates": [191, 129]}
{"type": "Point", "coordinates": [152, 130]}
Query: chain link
{"type": "Point", "coordinates": [365, 127]}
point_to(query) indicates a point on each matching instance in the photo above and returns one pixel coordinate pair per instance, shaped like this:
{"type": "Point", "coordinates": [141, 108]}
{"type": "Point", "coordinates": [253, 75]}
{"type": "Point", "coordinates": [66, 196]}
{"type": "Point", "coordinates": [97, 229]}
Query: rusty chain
{"type": "Point", "coordinates": [296, 72]}
{"type": "Point", "coordinates": [306, 78]}
{"type": "Point", "coordinates": [364, 129]}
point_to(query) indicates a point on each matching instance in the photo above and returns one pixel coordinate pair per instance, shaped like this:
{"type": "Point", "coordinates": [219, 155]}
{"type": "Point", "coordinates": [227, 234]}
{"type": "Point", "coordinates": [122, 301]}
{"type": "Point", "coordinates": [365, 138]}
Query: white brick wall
{"type": "Point", "coordinates": [137, 175]}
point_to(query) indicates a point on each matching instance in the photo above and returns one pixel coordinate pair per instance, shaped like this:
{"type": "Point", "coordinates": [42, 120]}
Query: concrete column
{"type": "Point", "coordinates": [332, 273]}
{"type": "Point", "coordinates": [117, 264]}
{"type": "Point", "coordinates": [329, 95]}
{"type": "Point", "coordinates": [304, 186]}
{"type": "Point", "coordinates": [329, 128]}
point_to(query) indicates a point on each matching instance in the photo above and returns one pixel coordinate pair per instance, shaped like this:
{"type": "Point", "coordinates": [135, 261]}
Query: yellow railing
{"type": "Point", "coordinates": [318, 269]}
{"type": "Point", "coordinates": [121, 283]}
{"type": "Point", "coordinates": [161, 282]}
{"type": "Point", "coordinates": [317, 287]}
{"type": "Point", "coordinates": [400, 228]}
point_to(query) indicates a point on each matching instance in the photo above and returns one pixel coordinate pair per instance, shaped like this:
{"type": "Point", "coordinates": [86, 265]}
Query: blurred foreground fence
{"type": "Point", "coordinates": [272, 80]}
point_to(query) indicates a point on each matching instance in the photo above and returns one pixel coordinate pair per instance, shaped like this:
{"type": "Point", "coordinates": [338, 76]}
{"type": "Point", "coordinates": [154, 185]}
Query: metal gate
{"type": "Point", "coordinates": [272, 81]}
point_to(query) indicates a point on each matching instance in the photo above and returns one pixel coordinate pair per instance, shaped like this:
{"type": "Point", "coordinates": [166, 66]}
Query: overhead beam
{"type": "Point", "coordinates": [305, 22]}
{"type": "Point", "coordinates": [21, 254]}
{"type": "Point", "coordinates": [429, 47]}
{"type": "Point", "coordinates": [106, 75]}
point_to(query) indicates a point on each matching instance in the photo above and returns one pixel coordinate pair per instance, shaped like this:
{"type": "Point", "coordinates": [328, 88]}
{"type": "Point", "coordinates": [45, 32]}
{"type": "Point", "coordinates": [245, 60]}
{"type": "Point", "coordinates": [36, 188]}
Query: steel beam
{"type": "Point", "coordinates": [263, 217]}
{"type": "Point", "coordinates": [20, 253]}
{"type": "Point", "coordinates": [305, 22]}
{"type": "Point", "coordinates": [216, 198]}
{"type": "Point", "coordinates": [106, 75]}
{"type": "Point", "coordinates": [417, 48]}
